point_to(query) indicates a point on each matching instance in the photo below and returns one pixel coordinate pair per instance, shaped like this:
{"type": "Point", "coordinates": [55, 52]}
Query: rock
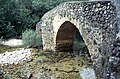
{"type": "Point", "coordinates": [1, 74]}
{"type": "Point", "coordinates": [29, 75]}
{"type": "Point", "coordinates": [114, 60]}
{"type": "Point", "coordinates": [15, 57]}
{"type": "Point", "coordinates": [42, 76]}
{"type": "Point", "coordinates": [13, 42]}
{"type": "Point", "coordinates": [87, 73]}
{"type": "Point", "coordinates": [56, 69]}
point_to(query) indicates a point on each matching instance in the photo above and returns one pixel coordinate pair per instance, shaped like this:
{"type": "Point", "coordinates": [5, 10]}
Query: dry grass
{"type": "Point", "coordinates": [4, 48]}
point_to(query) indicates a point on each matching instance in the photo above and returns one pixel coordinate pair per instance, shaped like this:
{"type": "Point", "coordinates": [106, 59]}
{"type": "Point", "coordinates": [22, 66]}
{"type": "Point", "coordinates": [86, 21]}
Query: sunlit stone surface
{"type": "Point", "coordinates": [87, 73]}
{"type": "Point", "coordinates": [14, 57]}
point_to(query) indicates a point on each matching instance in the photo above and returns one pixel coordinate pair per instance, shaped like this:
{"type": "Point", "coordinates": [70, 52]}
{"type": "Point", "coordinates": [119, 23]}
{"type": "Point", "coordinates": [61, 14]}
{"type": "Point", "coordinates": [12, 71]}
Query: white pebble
{"type": "Point", "coordinates": [14, 57]}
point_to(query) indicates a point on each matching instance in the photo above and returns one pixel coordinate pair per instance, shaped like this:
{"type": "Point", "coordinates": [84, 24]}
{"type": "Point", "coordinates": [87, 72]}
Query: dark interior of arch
{"type": "Point", "coordinates": [69, 38]}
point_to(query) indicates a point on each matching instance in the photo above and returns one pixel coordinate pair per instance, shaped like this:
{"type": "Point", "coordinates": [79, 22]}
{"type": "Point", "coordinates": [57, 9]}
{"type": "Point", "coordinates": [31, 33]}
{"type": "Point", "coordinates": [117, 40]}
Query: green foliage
{"type": "Point", "coordinates": [78, 42]}
{"type": "Point", "coordinates": [31, 38]}
{"type": "Point", "coordinates": [78, 45]}
{"type": "Point", "coordinates": [18, 15]}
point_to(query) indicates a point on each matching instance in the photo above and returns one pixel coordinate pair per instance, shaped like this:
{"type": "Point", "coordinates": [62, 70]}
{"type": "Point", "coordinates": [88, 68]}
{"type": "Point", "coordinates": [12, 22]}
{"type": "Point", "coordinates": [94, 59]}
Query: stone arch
{"type": "Point", "coordinates": [58, 21]}
{"type": "Point", "coordinates": [65, 36]}
{"type": "Point", "coordinates": [96, 22]}
{"type": "Point", "coordinates": [92, 20]}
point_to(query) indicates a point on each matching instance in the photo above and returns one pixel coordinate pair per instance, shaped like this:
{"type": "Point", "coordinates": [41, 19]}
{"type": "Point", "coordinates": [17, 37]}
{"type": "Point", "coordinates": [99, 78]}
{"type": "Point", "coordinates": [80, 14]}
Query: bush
{"type": "Point", "coordinates": [32, 38]}
{"type": "Point", "coordinates": [78, 45]}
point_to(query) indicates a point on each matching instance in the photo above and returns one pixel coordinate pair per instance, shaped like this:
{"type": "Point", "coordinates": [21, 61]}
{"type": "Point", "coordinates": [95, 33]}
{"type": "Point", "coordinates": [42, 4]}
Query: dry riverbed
{"type": "Point", "coordinates": [41, 66]}
{"type": "Point", "coordinates": [45, 65]}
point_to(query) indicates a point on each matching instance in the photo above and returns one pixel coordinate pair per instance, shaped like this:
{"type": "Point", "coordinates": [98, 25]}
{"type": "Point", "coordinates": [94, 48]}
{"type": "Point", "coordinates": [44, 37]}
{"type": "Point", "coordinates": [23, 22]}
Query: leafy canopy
{"type": "Point", "coordinates": [18, 15]}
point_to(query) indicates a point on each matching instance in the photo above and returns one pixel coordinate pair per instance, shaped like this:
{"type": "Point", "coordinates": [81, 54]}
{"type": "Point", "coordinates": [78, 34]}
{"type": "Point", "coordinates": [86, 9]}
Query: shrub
{"type": "Point", "coordinates": [31, 38]}
{"type": "Point", "coordinates": [78, 45]}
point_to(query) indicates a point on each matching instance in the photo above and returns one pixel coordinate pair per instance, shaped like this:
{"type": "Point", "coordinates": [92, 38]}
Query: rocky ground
{"type": "Point", "coordinates": [44, 65]}
{"type": "Point", "coordinates": [12, 42]}
{"type": "Point", "coordinates": [14, 57]}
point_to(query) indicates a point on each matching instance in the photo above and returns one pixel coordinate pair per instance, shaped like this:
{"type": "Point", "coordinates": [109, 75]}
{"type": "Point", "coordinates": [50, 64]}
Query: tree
{"type": "Point", "coordinates": [18, 15]}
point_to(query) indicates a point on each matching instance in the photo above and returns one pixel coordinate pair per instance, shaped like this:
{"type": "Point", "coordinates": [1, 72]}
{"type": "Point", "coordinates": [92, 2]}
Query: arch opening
{"type": "Point", "coordinates": [69, 39]}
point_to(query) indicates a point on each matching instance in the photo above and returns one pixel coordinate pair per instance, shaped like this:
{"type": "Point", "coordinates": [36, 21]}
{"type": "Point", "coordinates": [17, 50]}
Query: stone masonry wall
{"type": "Point", "coordinates": [95, 20]}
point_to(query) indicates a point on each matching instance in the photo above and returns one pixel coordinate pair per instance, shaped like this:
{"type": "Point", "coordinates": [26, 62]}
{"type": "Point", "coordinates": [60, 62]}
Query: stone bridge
{"type": "Point", "coordinates": [96, 22]}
